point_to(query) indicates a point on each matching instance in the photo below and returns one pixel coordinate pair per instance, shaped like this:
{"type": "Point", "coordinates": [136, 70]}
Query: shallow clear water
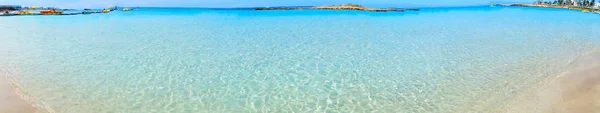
{"type": "Point", "coordinates": [179, 60]}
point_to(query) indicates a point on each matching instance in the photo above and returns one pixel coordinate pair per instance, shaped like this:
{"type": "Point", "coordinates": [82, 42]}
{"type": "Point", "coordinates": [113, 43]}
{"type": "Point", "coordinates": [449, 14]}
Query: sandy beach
{"type": "Point", "coordinates": [575, 91]}
{"type": "Point", "coordinates": [580, 87]}
{"type": "Point", "coordinates": [10, 102]}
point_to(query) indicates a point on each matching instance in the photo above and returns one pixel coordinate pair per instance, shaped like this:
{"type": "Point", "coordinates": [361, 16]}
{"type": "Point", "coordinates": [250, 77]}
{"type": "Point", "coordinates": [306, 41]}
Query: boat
{"type": "Point", "coordinates": [51, 12]}
{"type": "Point", "coordinates": [112, 7]}
{"type": "Point", "coordinates": [86, 12]}
{"type": "Point", "coordinates": [105, 11]}
{"type": "Point", "coordinates": [25, 12]}
{"type": "Point", "coordinates": [126, 9]}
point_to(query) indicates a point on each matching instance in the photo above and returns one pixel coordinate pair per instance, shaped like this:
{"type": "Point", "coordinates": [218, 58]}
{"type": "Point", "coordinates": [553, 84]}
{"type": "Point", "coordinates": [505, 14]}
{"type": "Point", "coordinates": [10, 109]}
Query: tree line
{"type": "Point", "coordinates": [582, 3]}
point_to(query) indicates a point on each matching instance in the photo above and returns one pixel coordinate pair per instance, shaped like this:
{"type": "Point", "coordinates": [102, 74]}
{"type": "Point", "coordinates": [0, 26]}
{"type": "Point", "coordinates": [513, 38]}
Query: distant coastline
{"type": "Point", "coordinates": [17, 10]}
{"type": "Point", "coordinates": [340, 7]}
{"type": "Point", "coordinates": [583, 5]}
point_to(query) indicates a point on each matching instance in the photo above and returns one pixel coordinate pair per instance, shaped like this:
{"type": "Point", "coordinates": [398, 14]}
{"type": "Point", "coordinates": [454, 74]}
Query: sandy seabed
{"type": "Point", "coordinates": [577, 90]}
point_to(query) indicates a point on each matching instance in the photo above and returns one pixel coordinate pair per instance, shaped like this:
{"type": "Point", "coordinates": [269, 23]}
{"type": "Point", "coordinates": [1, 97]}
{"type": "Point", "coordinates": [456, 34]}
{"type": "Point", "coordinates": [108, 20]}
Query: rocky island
{"type": "Point", "coordinates": [338, 7]}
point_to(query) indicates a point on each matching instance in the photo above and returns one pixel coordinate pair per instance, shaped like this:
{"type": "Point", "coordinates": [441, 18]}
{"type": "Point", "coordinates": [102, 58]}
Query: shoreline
{"type": "Point", "coordinates": [11, 101]}
{"type": "Point", "coordinates": [577, 90]}
{"type": "Point", "coordinates": [580, 86]}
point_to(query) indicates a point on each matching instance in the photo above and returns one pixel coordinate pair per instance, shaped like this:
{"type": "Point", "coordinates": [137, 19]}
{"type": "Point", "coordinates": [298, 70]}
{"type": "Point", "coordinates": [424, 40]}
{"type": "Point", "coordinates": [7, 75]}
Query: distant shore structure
{"type": "Point", "coordinates": [581, 5]}
{"type": "Point", "coordinates": [16, 10]}
{"type": "Point", "coordinates": [338, 7]}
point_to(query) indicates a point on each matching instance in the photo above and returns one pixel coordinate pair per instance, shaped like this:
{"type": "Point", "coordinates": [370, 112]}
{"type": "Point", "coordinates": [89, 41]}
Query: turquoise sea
{"type": "Point", "coordinates": [192, 60]}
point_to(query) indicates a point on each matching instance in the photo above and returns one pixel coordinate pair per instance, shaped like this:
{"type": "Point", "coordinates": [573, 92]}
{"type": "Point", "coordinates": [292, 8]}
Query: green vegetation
{"type": "Point", "coordinates": [583, 5]}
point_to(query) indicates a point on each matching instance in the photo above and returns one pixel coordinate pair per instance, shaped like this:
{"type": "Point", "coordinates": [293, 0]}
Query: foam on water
{"type": "Point", "coordinates": [183, 60]}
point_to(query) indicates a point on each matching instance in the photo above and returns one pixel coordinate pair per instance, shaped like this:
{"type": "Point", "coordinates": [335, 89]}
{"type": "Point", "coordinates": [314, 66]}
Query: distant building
{"type": "Point", "coordinates": [9, 7]}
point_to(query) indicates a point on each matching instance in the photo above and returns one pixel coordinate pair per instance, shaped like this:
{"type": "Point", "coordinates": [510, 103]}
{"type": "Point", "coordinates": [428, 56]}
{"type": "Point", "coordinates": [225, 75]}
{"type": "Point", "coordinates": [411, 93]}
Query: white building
{"type": "Point", "coordinates": [596, 4]}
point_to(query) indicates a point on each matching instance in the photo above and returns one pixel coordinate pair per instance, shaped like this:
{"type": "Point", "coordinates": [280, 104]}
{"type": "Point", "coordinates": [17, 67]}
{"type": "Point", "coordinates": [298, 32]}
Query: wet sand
{"type": "Point", "coordinates": [580, 87]}
{"type": "Point", "coordinates": [10, 102]}
{"type": "Point", "coordinates": [577, 90]}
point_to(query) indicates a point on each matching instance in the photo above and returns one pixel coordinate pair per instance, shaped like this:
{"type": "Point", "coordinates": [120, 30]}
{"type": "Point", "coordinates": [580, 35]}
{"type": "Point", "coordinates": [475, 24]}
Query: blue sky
{"type": "Point", "coordinates": [251, 3]}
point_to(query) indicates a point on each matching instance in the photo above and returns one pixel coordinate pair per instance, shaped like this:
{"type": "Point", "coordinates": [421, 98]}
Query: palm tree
{"type": "Point", "coordinates": [569, 3]}
{"type": "Point", "coordinates": [592, 5]}
{"type": "Point", "coordinates": [586, 3]}
{"type": "Point", "coordinates": [539, 1]}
